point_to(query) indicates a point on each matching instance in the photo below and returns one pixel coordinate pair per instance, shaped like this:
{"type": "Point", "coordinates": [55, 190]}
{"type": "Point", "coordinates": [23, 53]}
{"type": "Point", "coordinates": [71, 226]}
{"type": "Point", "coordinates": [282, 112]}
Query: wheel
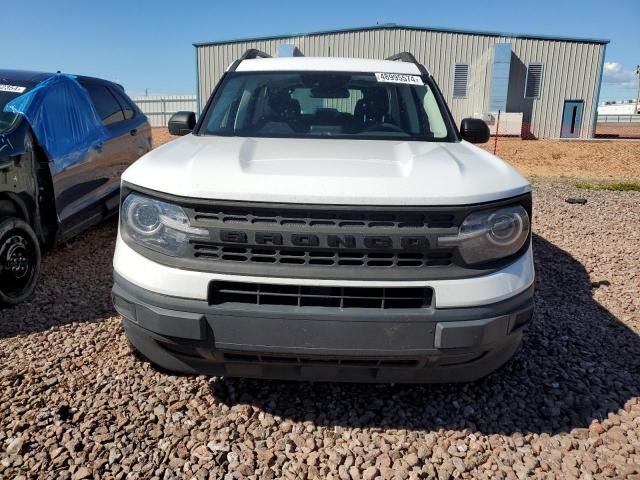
{"type": "Point", "coordinates": [19, 261]}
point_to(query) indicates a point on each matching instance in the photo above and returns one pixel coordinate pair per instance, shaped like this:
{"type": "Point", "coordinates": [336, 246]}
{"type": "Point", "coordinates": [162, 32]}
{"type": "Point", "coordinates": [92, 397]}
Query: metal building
{"type": "Point", "coordinates": [548, 86]}
{"type": "Point", "coordinates": [159, 108]}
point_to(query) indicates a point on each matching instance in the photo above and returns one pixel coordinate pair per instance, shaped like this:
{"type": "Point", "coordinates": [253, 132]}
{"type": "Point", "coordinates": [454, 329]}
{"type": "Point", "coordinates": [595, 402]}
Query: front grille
{"type": "Point", "coordinates": [222, 292]}
{"type": "Point", "coordinates": [305, 240]}
{"type": "Point", "coordinates": [325, 242]}
{"type": "Point", "coordinates": [230, 216]}
{"type": "Point", "coordinates": [284, 360]}
{"type": "Point", "coordinates": [350, 258]}
{"type": "Point", "coordinates": [233, 357]}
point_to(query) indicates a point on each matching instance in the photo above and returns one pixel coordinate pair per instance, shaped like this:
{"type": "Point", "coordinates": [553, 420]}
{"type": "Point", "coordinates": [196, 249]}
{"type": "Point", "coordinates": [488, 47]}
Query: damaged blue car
{"type": "Point", "coordinates": [64, 141]}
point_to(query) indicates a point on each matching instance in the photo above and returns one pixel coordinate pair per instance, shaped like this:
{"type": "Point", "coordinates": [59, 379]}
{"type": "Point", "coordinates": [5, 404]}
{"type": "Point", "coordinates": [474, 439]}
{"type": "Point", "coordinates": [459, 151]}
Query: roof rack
{"type": "Point", "coordinates": [250, 54]}
{"type": "Point", "coordinates": [409, 58]}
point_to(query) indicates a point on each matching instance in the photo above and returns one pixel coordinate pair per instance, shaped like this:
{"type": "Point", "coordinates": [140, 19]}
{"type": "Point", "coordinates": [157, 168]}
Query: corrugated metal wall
{"type": "Point", "coordinates": [159, 108]}
{"type": "Point", "coordinates": [572, 69]}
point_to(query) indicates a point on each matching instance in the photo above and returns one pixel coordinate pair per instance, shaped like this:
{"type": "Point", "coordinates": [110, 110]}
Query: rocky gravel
{"type": "Point", "coordinates": [75, 403]}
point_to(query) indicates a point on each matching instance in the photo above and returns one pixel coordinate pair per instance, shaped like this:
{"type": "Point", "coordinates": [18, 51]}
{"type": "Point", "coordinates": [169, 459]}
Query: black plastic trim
{"type": "Point", "coordinates": [409, 58]}
{"type": "Point", "coordinates": [191, 336]}
{"type": "Point", "coordinates": [223, 292]}
{"type": "Point", "coordinates": [177, 309]}
{"type": "Point", "coordinates": [250, 54]}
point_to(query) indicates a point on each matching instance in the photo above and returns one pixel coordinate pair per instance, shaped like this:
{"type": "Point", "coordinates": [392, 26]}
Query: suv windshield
{"type": "Point", "coordinates": [7, 119]}
{"type": "Point", "coordinates": [326, 104]}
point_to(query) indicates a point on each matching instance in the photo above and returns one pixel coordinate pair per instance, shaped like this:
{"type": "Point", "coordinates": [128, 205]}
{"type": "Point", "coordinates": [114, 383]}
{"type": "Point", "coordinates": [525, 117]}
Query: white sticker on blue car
{"type": "Point", "coordinates": [399, 78]}
{"type": "Point", "coordinates": [12, 88]}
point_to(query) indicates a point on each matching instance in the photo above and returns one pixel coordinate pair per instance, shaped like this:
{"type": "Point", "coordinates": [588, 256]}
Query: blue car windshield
{"type": "Point", "coordinates": [7, 119]}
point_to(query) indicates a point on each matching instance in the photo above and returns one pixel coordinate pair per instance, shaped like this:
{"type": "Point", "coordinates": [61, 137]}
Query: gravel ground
{"type": "Point", "coordinates": [76, 404]}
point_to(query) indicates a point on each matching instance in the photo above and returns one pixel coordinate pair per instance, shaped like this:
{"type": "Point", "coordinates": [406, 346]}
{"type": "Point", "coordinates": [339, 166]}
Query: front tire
{"type": "Point", "coordinates": [20, 259]}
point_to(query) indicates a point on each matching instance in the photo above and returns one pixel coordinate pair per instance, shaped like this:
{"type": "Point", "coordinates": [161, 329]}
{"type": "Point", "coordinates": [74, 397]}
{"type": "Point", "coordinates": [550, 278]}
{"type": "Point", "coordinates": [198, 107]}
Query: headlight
{"type": "Point", "coordinates": [158, 225]}
{"type": "Point", "coordinates": [490, 234]}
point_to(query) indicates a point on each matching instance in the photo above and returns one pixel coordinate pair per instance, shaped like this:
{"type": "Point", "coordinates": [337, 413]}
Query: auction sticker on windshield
{"type": "Point", "coordinates": [399, 78]}
{"type": "Point", "coordinates": [12, 88]}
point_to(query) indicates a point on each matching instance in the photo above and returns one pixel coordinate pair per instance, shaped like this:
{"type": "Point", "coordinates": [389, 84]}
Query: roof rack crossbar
{"type": "Point", "coordinates": [409, 58]}
{"type": "Point", "coordinates": [250, 54]}
{"type": "Point", "coordinates": [254, 53]}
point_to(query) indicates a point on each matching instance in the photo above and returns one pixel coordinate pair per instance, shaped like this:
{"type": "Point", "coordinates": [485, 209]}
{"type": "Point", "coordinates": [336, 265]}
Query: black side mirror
{"type": "Point", "coordinates": [474, 130]}
{"type": "Point", "coordinates": [182, 123]}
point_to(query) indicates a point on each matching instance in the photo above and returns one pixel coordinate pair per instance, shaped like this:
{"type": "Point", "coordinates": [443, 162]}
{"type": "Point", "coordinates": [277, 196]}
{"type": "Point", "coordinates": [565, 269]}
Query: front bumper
{"type": "Point", "coordinates": [316, 343]}
{"type": "Point", "coordinates": [453, 293]}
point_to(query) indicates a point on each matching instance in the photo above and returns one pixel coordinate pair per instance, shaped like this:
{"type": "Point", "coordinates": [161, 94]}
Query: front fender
{"type": "Point", "coordinates": [18, 175]}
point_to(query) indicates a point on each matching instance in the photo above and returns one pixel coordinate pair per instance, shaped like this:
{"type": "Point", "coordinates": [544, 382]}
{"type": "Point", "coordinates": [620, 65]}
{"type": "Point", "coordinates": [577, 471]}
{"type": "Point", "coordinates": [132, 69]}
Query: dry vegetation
{"type": "Point", "coordinates": [587, 160]}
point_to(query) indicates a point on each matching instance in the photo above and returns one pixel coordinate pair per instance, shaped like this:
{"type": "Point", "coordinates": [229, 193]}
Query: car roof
{"type": "Point", "coordinates": [25, 78]}
{"type": "Point", "coordinates": [28, 78]}
{"type": "Point", "coordinates": [331, 64]}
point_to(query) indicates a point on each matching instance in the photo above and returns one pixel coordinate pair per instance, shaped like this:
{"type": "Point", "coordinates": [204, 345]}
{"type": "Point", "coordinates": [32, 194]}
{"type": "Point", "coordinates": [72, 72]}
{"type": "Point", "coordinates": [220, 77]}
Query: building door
{"type": "Point", "coordinates": [571, 119]}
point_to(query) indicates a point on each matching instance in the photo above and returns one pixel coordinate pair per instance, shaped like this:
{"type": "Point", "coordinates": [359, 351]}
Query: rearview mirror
{"type": "Point", "coordinates": [474, 130]}
{"type": "Point", "coordinates": [182, 123]}
{"type": "Point", "coordinates": [329, 92]}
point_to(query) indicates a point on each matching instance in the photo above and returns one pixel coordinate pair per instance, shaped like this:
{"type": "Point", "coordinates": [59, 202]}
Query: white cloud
{"type": "Point", "coordinates": [615, 74]}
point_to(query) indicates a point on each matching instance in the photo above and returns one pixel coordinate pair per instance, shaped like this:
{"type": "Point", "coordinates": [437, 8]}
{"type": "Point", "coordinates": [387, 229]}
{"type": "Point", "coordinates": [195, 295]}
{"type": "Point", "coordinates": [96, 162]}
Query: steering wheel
{"type": "Point", "coordinates": [384, 127]}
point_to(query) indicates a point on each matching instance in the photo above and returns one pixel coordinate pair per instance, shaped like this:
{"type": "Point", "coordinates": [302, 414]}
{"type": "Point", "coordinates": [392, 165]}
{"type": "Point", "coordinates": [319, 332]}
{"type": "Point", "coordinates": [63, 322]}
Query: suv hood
{"type": "Point", "coordinates": [326, 171]}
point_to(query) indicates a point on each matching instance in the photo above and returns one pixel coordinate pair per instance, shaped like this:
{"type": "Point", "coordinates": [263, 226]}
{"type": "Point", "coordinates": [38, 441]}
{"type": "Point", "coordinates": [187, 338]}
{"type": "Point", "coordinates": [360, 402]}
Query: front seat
{"type": "Point", "coordinates": [280, 114]}
{"type": "Point", "coordinates": [372, 108]}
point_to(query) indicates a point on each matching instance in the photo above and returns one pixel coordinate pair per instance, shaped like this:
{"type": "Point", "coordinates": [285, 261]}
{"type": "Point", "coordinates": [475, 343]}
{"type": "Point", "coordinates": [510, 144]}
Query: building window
{"type": "Point", "coordinates": [533, 84]}
{"type": "Point", "coordinates": [460, 80]}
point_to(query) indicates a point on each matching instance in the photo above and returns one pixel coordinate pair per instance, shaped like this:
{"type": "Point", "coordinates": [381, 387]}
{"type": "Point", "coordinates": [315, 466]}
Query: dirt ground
{"type": "Point", "coordinates": [592, 160]}
{"type": "Point", "coordinates": [619, 130]}
{"type": "Point", "coordinates": [601, 159]}
{"type": "Point", "coordinates": [160, 136]}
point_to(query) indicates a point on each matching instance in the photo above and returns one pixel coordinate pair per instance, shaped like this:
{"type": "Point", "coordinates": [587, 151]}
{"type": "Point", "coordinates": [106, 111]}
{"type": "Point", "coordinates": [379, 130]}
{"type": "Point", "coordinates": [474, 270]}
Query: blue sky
{"type": "Point", "coordinates": [148, 45]}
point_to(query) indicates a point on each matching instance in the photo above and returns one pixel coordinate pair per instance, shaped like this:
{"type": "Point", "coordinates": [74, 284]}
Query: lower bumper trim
{"type": "Point", "coordinates": [419, 345]}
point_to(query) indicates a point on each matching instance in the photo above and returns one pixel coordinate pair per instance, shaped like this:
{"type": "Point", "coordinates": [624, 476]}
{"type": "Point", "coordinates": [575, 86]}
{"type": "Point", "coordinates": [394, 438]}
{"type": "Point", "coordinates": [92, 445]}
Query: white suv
{"type": "Point", "coordinates": [325, 220]}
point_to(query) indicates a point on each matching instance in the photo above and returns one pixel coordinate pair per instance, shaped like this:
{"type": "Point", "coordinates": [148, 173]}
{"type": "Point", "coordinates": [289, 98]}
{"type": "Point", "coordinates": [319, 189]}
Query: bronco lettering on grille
{"type": "Point", "coordinates": [370, 242]}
